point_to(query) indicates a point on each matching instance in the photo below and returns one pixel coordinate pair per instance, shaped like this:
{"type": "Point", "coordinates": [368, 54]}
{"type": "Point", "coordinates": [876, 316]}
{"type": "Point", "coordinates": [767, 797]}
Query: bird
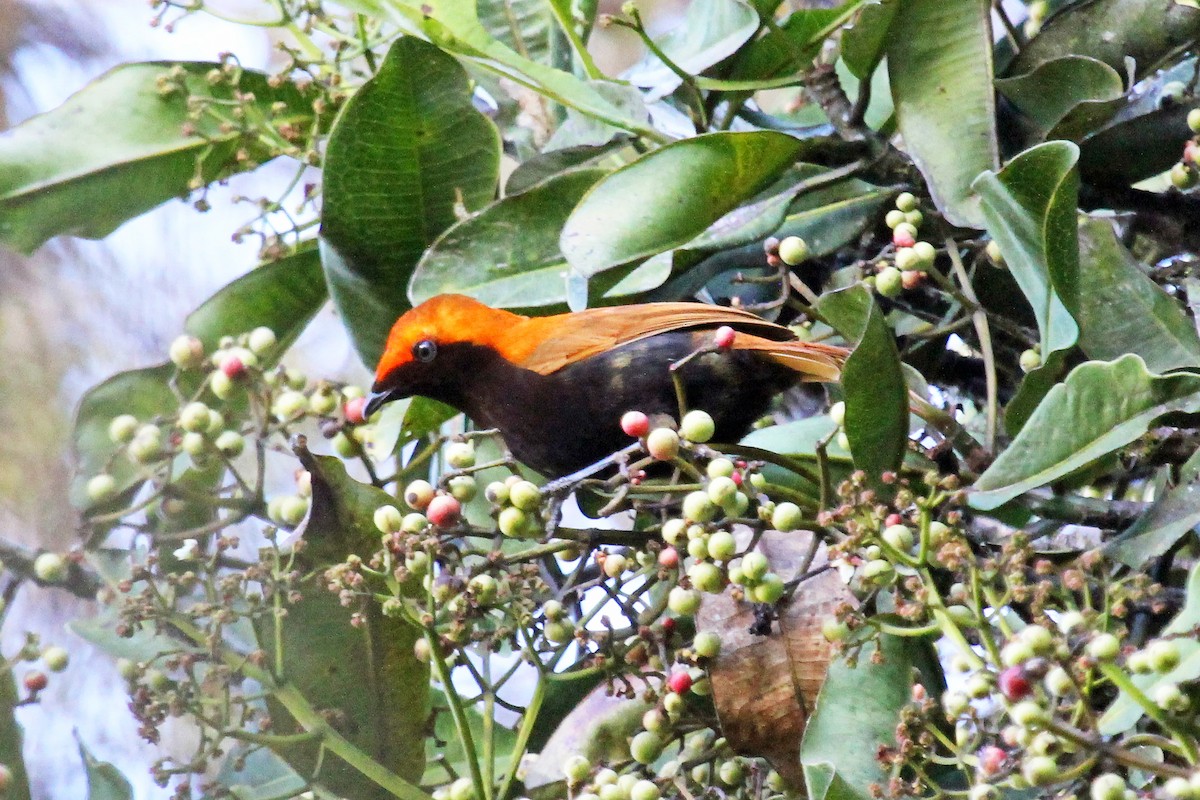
{"type": "Point", "coordinates": [556, 386]}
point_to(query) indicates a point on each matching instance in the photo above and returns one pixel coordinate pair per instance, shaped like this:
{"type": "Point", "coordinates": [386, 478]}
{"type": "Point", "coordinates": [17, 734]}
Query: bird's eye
{"type": "Point", "coordinates": [424, 351]}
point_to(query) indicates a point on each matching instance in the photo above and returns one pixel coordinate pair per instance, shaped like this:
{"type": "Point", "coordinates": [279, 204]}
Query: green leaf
{"type": "Point", "coordinates": [1170, 518]}
{"type": "Point", "coordinates": [1151, 323]}
{"type": "Point", "coordinates": [369, 674]}
{"type": "Point", "coordinates": [873, 381]}
{"type": "Point", "coordinates": [1125, 712]}
{"type": "Point", "coordinates": [1048, 94]}
{"type": "Point", "coordinates": [583, 129]}
{"type": "Point", "coordinates": [1102, 405]}
{"type": "Point", "coordinates": [711, 31]}
{"type": "Point", "coordinates": [669, 196]}
{"type": "Point", "coordinates": [117, 149]}
{"type": "Point", "coordinates": [940, 67]}
{"type": "Point", "coordinates": [404, 150]}
{"type": "Point", "coordinates": [1148, 31]}
{"type": "Point", "coordinates": [864, 42]}
{"type": "Point", "coordinates": [555, 162]}
{"type": "Point", "coordinates": [525, 26]}
{"type": "Point", "coordinates": [857, 711]}
{"type": "Point", "coordinates": [1030, 211]}
{"type": "Point", "coordinates": [1033, 389]}
{"type": "Point", "coordinates": [1142, 139]}
{"type": "Point", "coordinates": [786, 49]}
{"type": "Point", "coordinates": [105, 782]}
{"type": "Point", "coordinates": [451, 753]}
{"type": "Point", "coordinates": [283, 295]}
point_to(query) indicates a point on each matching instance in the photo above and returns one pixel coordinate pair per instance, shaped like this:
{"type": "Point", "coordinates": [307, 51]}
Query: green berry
{"type": "Point", "coordinates": [553, 610]}
{"type": "Point", "coordinates": [674, 530]}
{"type": "Point", "coordinates": [1108, 786]}
{"type": "Point", "coordinates": [731, 772]}
{"type": "Point", "coordinates": [1104, 647]}
{"type": "Point", "coordinates": [1015, 653]}
{"type": "Point", "coordinates": [706, 576]}
{"type": "Point", "coordinates": [698, 548]}
{"type": "Point", "coordinates": [50, 568]}
{"type": "Point", "coordinates": [889, 282]}
{"type": "Point", "coordinates": [122, 428]}
{"type": "Point", "coordinates": [1164, 655]}
{"type": "Point", "coordinates": [292, 509]}
{"type": "Point", "coordinates": [720, 468]}
{"type": "Point", "coordinates": [786, 517]}
{"type": "Point", "coordinates": [418, 494]}
{"type": "Point", "coordinates": [1183, 176]}
{"type": "Point", "coordinates": [926, 253]}
{"type": "Point", "coordinates": [230, 443]}
{"type": "Point", "coordinates": [261, 341]}
{"type": "Point", "coordinates": [1193, 120]}
{"type": "Point", "coordinates": [755, 565]}
{"type": "Point", "coordinates": [894, 218]}
{"type": "Point", "coordinates": [1040, 770]}
{"type": "Point", "coordinates": [615, 564]}
{"type": "Point", "coordinates": [414, 522]}
{"type": "Point", "coordinates": [721, 490]}
{"type": "Point", "coordinates": [460, 455]}
{"type": "Point", "coordinates": [662, 444]}
{"type": "Point", "coordinates": [512, 521]}
{"type": "Point", "coordinates": [388, 519]}
{"type": "Point", "coordinates": [290, 405]}
{"type": "Point", "coordinates": [146, 445]}
{"type": "Point", "coordinates": [1179, 788]}
{"type": "Point", "coordinates": [722, 545]}
{"type": "Point", "coordinates": [793, 250]}
{"type": "Point", "coordinates": [899, 537]}
{"type": "Point", "coordinates": [525, 495]}
{"type": "Point", "coordinates": [878, 571]}
{"type": "Point", "coordinates": [837, 413]}
{"type": "Point", "coordinates": [322, 403]}
{"type": "Point", "coordinates": [1169, 697]}
{"type": "Point", "coordinates": [834, 630]}
{"type": "Point", "coordinates": [463, 487]}
{"type": "Point", "coordinates": [697, 507]}
{"type": "Point", "coordinates": [484, 588]}
{"type": "Point", "coordinates": [645, 790]}
{"type": "Point", "coordinates": [769, 589]}
{"type": "Point", "coordinates": [955, 703]}
{"type": "Point", "coordinates": [55, 658]}
{"type": "Point", "coordinates": [914, 218]}
{"type": "Point", "coordinates": [559, 631]}
{"type": "Point", "coordinates": [1029, 714]}
{"type": "Point", "coordinates": [1058, 682]}
{"type": "Point", "coordinates": [101, 487]}
{"type": "Point", "coordinates": [697, 426]}
{"type": "Point", "coordinates": [1030, 360]}
{"type": "Point", "coordinates": [646, 747]}
{"type": "Point", "coordinates": [907, 259]}
{"type": "Point", "coordinates": [684, 602]}
{"type": "Point", "coordinates": [462, 789]}
{"type": "Point", "coordinates": [194, 417]}
{"type": "Point", "coordinates": [1039, 639]}
{"type": "Point", "coordinates": [993, 252]}
{"type": "Point", "coordinates": [906, 201]}
{"type": "Point", "coordinates": [186, 352]}
{"type": "Point", "coordinates": [707, 644]}
{"type": "Point", "coordinates": [496, 492]}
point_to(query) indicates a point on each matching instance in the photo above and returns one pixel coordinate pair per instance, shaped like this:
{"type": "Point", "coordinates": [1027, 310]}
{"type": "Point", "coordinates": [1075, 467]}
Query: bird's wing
{"type": "Point", "coordinates": [568, 338]}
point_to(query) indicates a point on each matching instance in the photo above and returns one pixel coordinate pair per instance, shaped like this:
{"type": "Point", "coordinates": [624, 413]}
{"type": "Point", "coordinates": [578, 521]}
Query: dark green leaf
{"type": "Point", "coordinates": [405, 149]}
{"type": "Point", "coordinates": [669, 196]}
{"type": "Point", "coordinates": [553, 162]}
{"type": "Point", "coordinates": [856, 714]}
{"type": "Point", "coordinates": [105, 782]}
{"type": "Point", "coordinates": [711, 31]}
{"type": "Point", "coordinates": [864, 42]}
{"type": "Point", "coordinates": [117, 149]}
{"type": "Point", "coordinates": [1125, 712]}
{"type": "Point", "coordinates": [940, 67]}
{"type": "Point", "coordinates": [1148, 31]}
{"type": "Point", "coordinates": [873, 381]}
{"type": "Point", "coordinates": [1164, 523]}
{"type": "Point", "coordinates": [581, 129]}
{"type": "Point", "coordinates": [1100, 407]}
{"type": "Point", "coordinates": [1055, 88]}
{"type": "Point", "coordinates": [1151, 323]}
{"type": "Point", "coordinates": [787, 49]}
{"type": "Point", "coordinates": [1030, 211]}
{"type": "Point", "coordinates": [525, 26]}
{"type": "Point", "coordinates": [1135, 146]}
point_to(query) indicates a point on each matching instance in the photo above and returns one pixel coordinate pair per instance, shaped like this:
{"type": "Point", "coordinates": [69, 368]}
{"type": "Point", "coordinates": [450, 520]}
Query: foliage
{"type": "Point", "coordinates": [1007, 246]}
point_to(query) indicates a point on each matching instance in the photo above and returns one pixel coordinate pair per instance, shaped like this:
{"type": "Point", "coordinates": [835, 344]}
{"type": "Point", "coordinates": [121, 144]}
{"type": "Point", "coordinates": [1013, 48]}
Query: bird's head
{"type": "Point", "coordinates": [430, 347]}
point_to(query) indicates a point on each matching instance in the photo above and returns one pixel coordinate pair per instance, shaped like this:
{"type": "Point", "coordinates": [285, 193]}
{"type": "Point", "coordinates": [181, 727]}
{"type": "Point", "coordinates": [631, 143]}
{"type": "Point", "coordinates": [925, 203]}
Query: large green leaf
{"type": "Point", "coordinates": [282, 295]}
{"type": "Point", "coordinates": [405, 149]}
{"type": "Point", "coordinates": [783, 50]}
{"type": "Point", "coordinates": [554, 162]}
{"type": "Point", "coordinates": [864, 43]}
{"type": "Point", "coordinates": [1125, 712]}
{"type": "Point", "coordinates": [1151, 323]}
{"type": "Point", "coordinates": [1169, 518]}
{"type": "Point", "coordinates": [118, 148]}
{"type": "Point", "coordinates": [1030, 211]}
{"type": "Point", "coordinates": [669, 196]}
{"type": "Point", "coordinates": [856, 714]}
{"type": "Point", "coordinates": [1049, 94]}
{"type": "Point", "coordinates": [711, 31]}
{"type": "Point", "coordinates": [873, 381]}
{"type": "Point", "coordinates": [1102, 405]}
{"type": "Point", "coordinates": [940, 66]}
{"type": "Point", "coordinates": [1148, 31]}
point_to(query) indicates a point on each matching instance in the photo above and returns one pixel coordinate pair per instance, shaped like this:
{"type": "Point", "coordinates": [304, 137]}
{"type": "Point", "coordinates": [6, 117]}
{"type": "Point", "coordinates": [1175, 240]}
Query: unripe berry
{"type": "Point", "coordinates": [1058, 682]}
{"type": "Point", "coordinates": [576, 769]}
{"type": "Point", "coordinates": [101, 487]}
{"type": "Point", "coordinates": [769, 589]}
{"type": "Point", "coordinates": [194, 417]}
{"type": "Point", "coordinates": [553, 610]}
{"type": "Point", "coordinates": [914, 218]}
{"type": "Point", "coordinates": [955, 703]}
{"type": "Point", "coordinates": [786, 517]}
{"type": "Point", "coordinates": [230, 443]}
{"type": "Point", "coordinates": [1039, 639]}
{"type": "Point", "coordinates": [894, 218]}
{"type": "Point", "coordinates": [698, 548]}
{"type": "Point", "coordinates": [484, 587]}
{"type": "Point", "coordinates": [645, 790]}
{"type": "Point", "coordinates": [1030, 360]}
{"type": "Point", "coordinates": [122, 428]}
{"type": "Point", "coordinates": [1104, 647]}
{"type": "Point", "coordinates": [907, 259]}
{"type": "Point", "coordinates": [55, 658]}
{"type": "Point", "coordinates": [793, 250]}
{"type": "Point", "coordinates": [707, 644]}
{"type": "Point", "coordinates": [1193, 120]}
{"type": "Point", "coordinates": [186, 352]}
{"type": "Point", "coordinates": [1179, 788]}
{"type": "Point", "coordinates": [1169, 697]}
{"type": "Point", "coordinates": [222, 385]}
{"type": "Point", "coordinates": [50, 568]}
{"type": "Point", "coordinates": [878, 571]}
{"type": "Point", "coordinates": [615, 564]}
{"type": "Point", "coordinates": [418, 494]}
{"type": "Point", "coordinates": [697, 426]}
{"type": "Point", "coordinates": [462, 789]}
{"type": "Point", "coordinates": [1029, 714]}
{"type": "Point", "coordinates": [754, 565]}
{"type": "Point", "coordinates": [722, 545]}
{"type": "Point", "coordinates": [388, 519]}
{"type": "Point", "coordinates": [731, 772]}
{"type": "Point", "coordinates": [684, 602]}
{"type": "Point", "coordinates": [834, 630]}
{"type": "Point", "coordinates": [414, 522]}
{"type": "Point", "coordinates": [984, 791]}
{"type": "Point", "coordinates": [635, 423]}
{"type": "Point", "coordinates": [1108, 786]}
{"type": "Point", "coordinates": [889, 282]}
{"type": "Point", "coordinates": [146, 444]}
{"type": "Point", "coordinates": [979, 685]}
{"type": "Point", "coordinates": [444, 511]}
{"type": "Point", "coordinates": [646, 747]}
{"type": "Point", "coordinates": [837, 413]}
{"type": "Point", "coordinates": [463, 488]}
{"type": "Point", "coordinates": [496, 492]}
{"type": "Point", "coordinates": [261, 340]}
{"type": "Point", "coordinates": [721, 490]}
{"type": "Point", "coordinates": [906, 201]}
{"type": "Point", "coordinates": [904, 235]}
{"type": "Point", "coordinates": [706, 577]}
{"type": "Point", "coordinates": [559, 631]}
{"type": "Point", "coordinates": [1183, 176]}
{"type": "Point", "coordinates": [525, 495]}
{"type": "Point", "coordinates": [697, 507]}
{"type": "Point", "coordinates": [1039, 770]}
{"type": "Point", "coordinates": [1164, 655]}
{"type": "Point", "coordinates": [926, 253]}
{"type": "Point", "coordinates": [662, 444]}
{"type": "Point", "coordinates": [899, 536]}
{"type": "Point", "coordinates": [460, 455]}
{"type": "Point", "coordinates": [292, 510]}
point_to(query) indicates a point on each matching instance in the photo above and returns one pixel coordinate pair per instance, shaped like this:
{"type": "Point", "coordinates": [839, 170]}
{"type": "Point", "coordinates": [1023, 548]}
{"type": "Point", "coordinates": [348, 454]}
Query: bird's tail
{"type": "Point", "coordinates": [813, 360]}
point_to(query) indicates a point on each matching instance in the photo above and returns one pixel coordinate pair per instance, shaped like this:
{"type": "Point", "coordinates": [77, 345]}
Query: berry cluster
{"type": "Point", "coordinates": [1186, 173]}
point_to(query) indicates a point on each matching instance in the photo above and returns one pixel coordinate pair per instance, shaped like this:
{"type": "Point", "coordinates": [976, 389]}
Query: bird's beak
{"type": "Point", "coordinates": [377, 400]}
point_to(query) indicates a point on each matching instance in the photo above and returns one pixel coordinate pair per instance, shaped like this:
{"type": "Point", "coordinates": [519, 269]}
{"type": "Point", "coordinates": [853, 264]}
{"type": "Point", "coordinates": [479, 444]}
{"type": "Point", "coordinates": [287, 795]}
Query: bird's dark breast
{"type": "Point", "coordinates": [564, 421]}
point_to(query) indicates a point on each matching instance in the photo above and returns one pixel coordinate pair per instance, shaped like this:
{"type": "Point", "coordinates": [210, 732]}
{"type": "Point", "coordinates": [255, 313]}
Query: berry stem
{"type": "Point", "coordinates": [1121, 679]}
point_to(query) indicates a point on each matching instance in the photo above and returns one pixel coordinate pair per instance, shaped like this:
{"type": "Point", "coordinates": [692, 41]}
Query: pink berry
{"type": "Point", "coordinates": [893, 519]}
{"type": "Point", "coordinates": [1191, 152]}
{"type": "Point", "coordinates": [903, 239]}
{"type": "Point", "coordinates": [668, 557]}
{"type": "Point", "coordinates": [680, 681]}
{"type": "Point", "coordinates": [233, 367]}
{"type": "Point", "coordinates": [737, 478]}
{"type": "Point", "coordinates": [635, 423]}
{"type": "Point", "coordinates": [991, 759]}
{"type": "Point", "coordinates": [354, 410]}
{"type": "Point", "coordinates": [1014, 684]}
{"type": "Point", "coordinates": [911, 278]}
{"type": "Point", "coordinates": [444, 511]}
{"type": "Point", "coordinates": [724, 337]}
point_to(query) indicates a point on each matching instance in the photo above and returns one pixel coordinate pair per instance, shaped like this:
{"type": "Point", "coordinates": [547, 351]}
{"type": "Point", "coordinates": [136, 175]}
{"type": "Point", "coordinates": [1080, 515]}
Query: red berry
{"type": "Point", "coordinates": [737, 478]}
{"type": "Point", "coordinates": [903, 238]}
{"type": "Point", "coordinates": [233, 367]}
{"type": "Point", "coordinates": [354, 410]}
{"type": "Point", "coordinates": [669, 558]}
{"type": "Point", "coordinates": [724, 337]}
{"type": "Point", "coordinates": [35, 681]}
{"type": "Point", "coordinates": [668, 626]}
{"type": "Point", "coordinates": [444, 511]}
{"type": "Point", "coordinates": [1014, 683]}
{"type": "Point", "coordinates": [991, 759]}
{"type": "Point", "coordinates": [893, 519]}
{"type": "Point", "coordinates": [680, 681]}
{"type": "Point", "coordinates": [635, 423]}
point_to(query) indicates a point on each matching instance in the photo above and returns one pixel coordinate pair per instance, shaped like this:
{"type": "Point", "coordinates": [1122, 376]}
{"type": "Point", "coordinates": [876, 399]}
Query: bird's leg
{"type": "Point", "coordinates": [564, 485]}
